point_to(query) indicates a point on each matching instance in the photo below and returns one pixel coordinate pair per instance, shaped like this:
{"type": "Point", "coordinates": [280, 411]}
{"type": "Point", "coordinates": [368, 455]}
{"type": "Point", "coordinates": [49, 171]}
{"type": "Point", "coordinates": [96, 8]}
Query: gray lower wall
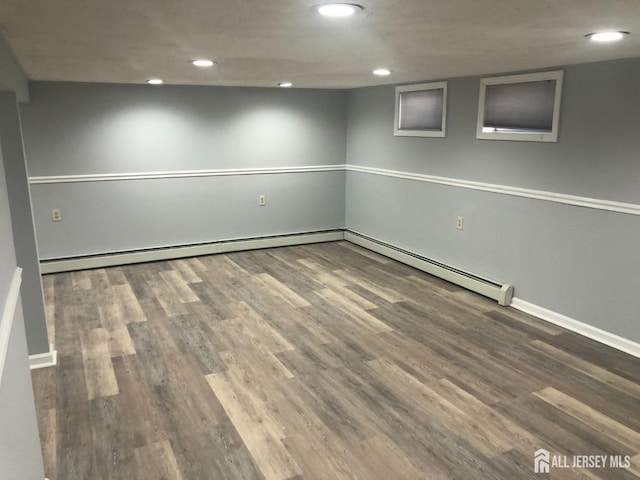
{"type": "Point", "coordinates": [76, 129]}
{"type": "Point", "coordinates": [102, 217]}
{"type": "Point", "coordinates": [579, 262]}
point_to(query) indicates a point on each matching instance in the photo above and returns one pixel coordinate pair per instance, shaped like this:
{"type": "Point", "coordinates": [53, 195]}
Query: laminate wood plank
{"type": "Point", "coordinates": [116, 276]}
{"type": "Point", "coordinates": [354, 311]}
{"type": "Point", "coordinates": [185, 270]}
{"type": "Point", "coordinates": [259, 434]}
{"type": "Point", "coordinates": [493, 422]}
{"type": "Point", "coordinates": [212, 303]}
{"type": "Point", "coordinates": [457, 419]}
{"type": "Point", "coordinates": [284, 266]}
{"type": "Point", "coordinates": [98, 369]}
{"type": "Point", "coordinates": [320, 274]}
{"type": "Point", "coordinates": [551, 372]}
{"type": "Point", "coordinates": [541, 325]}
{"type": "Point", "coordinates": [588, 415]}
{"type": "Point", "coordinates": [156, 460]}
{"type": "Point", "coordinates": [248, 328]}
{"type": "Point", "coordinates": [131, 309]}
{"type": "Point", "coordinates": [167, 296]}
{"type": "Point", "coordinates": [282, 291]}
{"type": "Point", "coordinates": [620, 383]}
{"type": "Point", "coordinates": [186, 405]}
{"type": "Point", "coordinates": [387, 294]}
{"type": "Point", "coordinates": [615, 361]}
{"type": "Point", "coordinates": [47, 431]}
{"type": "Point", "coordinates": [314, 362]}
{"type": "Point", "coordinates": [175, 281]}
{"type": "Point", "coordinates": [81, 280]}
{"type": "Point", "coordinates": [319, 459]}
{"type": "Point", "coordinates": [74, 444]}
{"type": "Point", "coordinates": [201, 340]}
{"type": "Point", "coordinates": [558, 432]}
{"type": "Point", "coordinates": [120, 342]}
{"type": "Point", "coordinates": [140, 412]}
{"type": "Point", "coordinates": [113, 454]}
{"type": "Point", "coordinates": [196, 264]}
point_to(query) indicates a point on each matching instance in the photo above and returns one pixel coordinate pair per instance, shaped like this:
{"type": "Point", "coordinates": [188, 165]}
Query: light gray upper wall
{"type": "Point", "coordinates": [85, 128]}
{"type": "Point", "coordinates": [24, 237]}
{"type": "Point", "coordinates": [73, 129]}
{"type": "Point", "coordinates": [12, 77]}
{"type": "Point", "coordinates": [596, 155]}
{"type": "Point", "coordinates": [579, 262]}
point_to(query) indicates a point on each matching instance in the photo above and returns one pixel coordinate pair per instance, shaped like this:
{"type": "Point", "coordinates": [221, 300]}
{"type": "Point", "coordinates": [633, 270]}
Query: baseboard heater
{"type": "Point", "coordinates": [501, 292]}
{"type": "Point", "coordinates": [111, 259]}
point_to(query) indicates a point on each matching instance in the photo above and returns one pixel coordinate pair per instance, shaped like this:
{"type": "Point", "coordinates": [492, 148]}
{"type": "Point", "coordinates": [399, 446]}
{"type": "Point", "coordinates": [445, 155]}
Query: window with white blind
{"type": "Point", "coordinates": [421, 110]}
{"type": "Point", "coordinates": [520, 107]}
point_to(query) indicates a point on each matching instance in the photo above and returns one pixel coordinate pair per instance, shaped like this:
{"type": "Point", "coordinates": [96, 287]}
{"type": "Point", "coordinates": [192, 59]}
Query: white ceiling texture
{"type": "Point", "coordinates": [263, 42]}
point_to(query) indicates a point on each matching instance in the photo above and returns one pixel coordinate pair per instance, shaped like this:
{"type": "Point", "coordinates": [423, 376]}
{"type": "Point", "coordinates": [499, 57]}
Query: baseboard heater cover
{"type": "Point", "coordinates": [501, 292]}
{"type": "Point", "coordinates": [111, 259]}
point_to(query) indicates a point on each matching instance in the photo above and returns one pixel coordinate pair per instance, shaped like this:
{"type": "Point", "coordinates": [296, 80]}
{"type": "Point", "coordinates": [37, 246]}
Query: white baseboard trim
{"type": "Point", "coordinates": [182, 251]}
{"type": "Point", "coordinates": [594, 333]}
{"type": "Point", "coordinates": [42, 360]}
{"type": "Point", "coordinates": [8, 315]}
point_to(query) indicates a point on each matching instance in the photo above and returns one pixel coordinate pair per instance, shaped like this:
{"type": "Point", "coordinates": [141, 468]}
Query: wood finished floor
{"type": "Point", "coordinates": [317, 362]}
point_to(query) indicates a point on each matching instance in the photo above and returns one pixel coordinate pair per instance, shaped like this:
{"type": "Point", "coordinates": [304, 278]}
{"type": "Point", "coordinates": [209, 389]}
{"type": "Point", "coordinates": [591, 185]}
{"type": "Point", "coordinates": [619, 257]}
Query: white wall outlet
{"type": "Point", "coordinates": [56, 215]}
{"type": "Point", "coordinates": [262, 200]}
{"type": "Point", "coordinates": [459, 223]}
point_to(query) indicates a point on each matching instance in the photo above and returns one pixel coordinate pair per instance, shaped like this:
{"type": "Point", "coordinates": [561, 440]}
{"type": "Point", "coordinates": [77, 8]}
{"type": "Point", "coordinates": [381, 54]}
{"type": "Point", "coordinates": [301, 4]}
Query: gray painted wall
{"type": "Point", "coordinates": [73, 129]}
{"type": "Point", "coordinates": [579, 262]}
{"type": "Point", "coordinates": [20, 454]}
{"type": "Point", "coordinates": [26, 250]}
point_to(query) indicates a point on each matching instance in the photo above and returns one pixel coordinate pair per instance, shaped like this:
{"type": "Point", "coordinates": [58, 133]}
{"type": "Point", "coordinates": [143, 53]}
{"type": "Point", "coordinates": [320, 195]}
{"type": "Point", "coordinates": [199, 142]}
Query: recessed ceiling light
{"type": "Point", "coordinates": [606, 36]}
{"type": "Point", "coordinates": [155, 81]}
{"type": "Point", "coordinates": [382, 72]}
{"type": "Point", "coordinates": [338, 9]}
{"type": "Point", "coordinates": [201, 62]}
{"type": "Point", "coordinates": [285, 84]}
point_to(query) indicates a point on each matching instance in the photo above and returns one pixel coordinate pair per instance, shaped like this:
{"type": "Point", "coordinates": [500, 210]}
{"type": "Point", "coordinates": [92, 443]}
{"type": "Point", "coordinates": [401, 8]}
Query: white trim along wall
{"type": "Point", "coordinates": [578, 201]}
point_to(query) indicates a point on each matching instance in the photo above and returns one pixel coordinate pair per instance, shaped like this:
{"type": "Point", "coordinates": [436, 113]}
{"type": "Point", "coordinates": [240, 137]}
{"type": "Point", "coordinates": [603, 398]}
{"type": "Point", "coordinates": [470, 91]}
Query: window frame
{"type": "Point", "coordinates": [398, 132]}
{"type": "Point", "coordinates": [552, 136]}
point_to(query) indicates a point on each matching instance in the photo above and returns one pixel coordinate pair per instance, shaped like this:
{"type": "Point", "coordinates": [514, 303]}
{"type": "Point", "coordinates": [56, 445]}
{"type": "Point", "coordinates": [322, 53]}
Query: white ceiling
{"type": "Point", "coordinates": [263, 42]}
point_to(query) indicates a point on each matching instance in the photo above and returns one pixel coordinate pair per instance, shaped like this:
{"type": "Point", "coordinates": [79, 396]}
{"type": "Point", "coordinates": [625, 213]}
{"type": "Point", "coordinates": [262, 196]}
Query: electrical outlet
{"type": "Point", "coordinates": [56, 215]}
{"type": "Point", "coordinates": [262, 200]}
{"type": "Point", "coordinates": [459, 223]}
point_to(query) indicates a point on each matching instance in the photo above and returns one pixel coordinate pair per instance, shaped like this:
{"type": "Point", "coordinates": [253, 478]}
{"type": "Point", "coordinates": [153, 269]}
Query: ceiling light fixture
{"type": "Point", "coordinates": [338, 9]}
{"type": "Point", "coordinates": [606, 36]}
{"type": "Point", "coordinates": [155, 81]}
{"type": "Point", "coordinates": [382, 72]}
{"type": "Point", "coordinates": [203, 63]}
{"type": "Point", "coordinates": [285, 84]}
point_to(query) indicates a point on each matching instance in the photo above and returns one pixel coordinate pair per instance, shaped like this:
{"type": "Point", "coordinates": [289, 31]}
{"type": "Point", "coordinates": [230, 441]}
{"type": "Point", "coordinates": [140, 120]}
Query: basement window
{"type": "Point", "coordinates": [520, 107]}
{"type": "Point", "coordinates": [421, 110]}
